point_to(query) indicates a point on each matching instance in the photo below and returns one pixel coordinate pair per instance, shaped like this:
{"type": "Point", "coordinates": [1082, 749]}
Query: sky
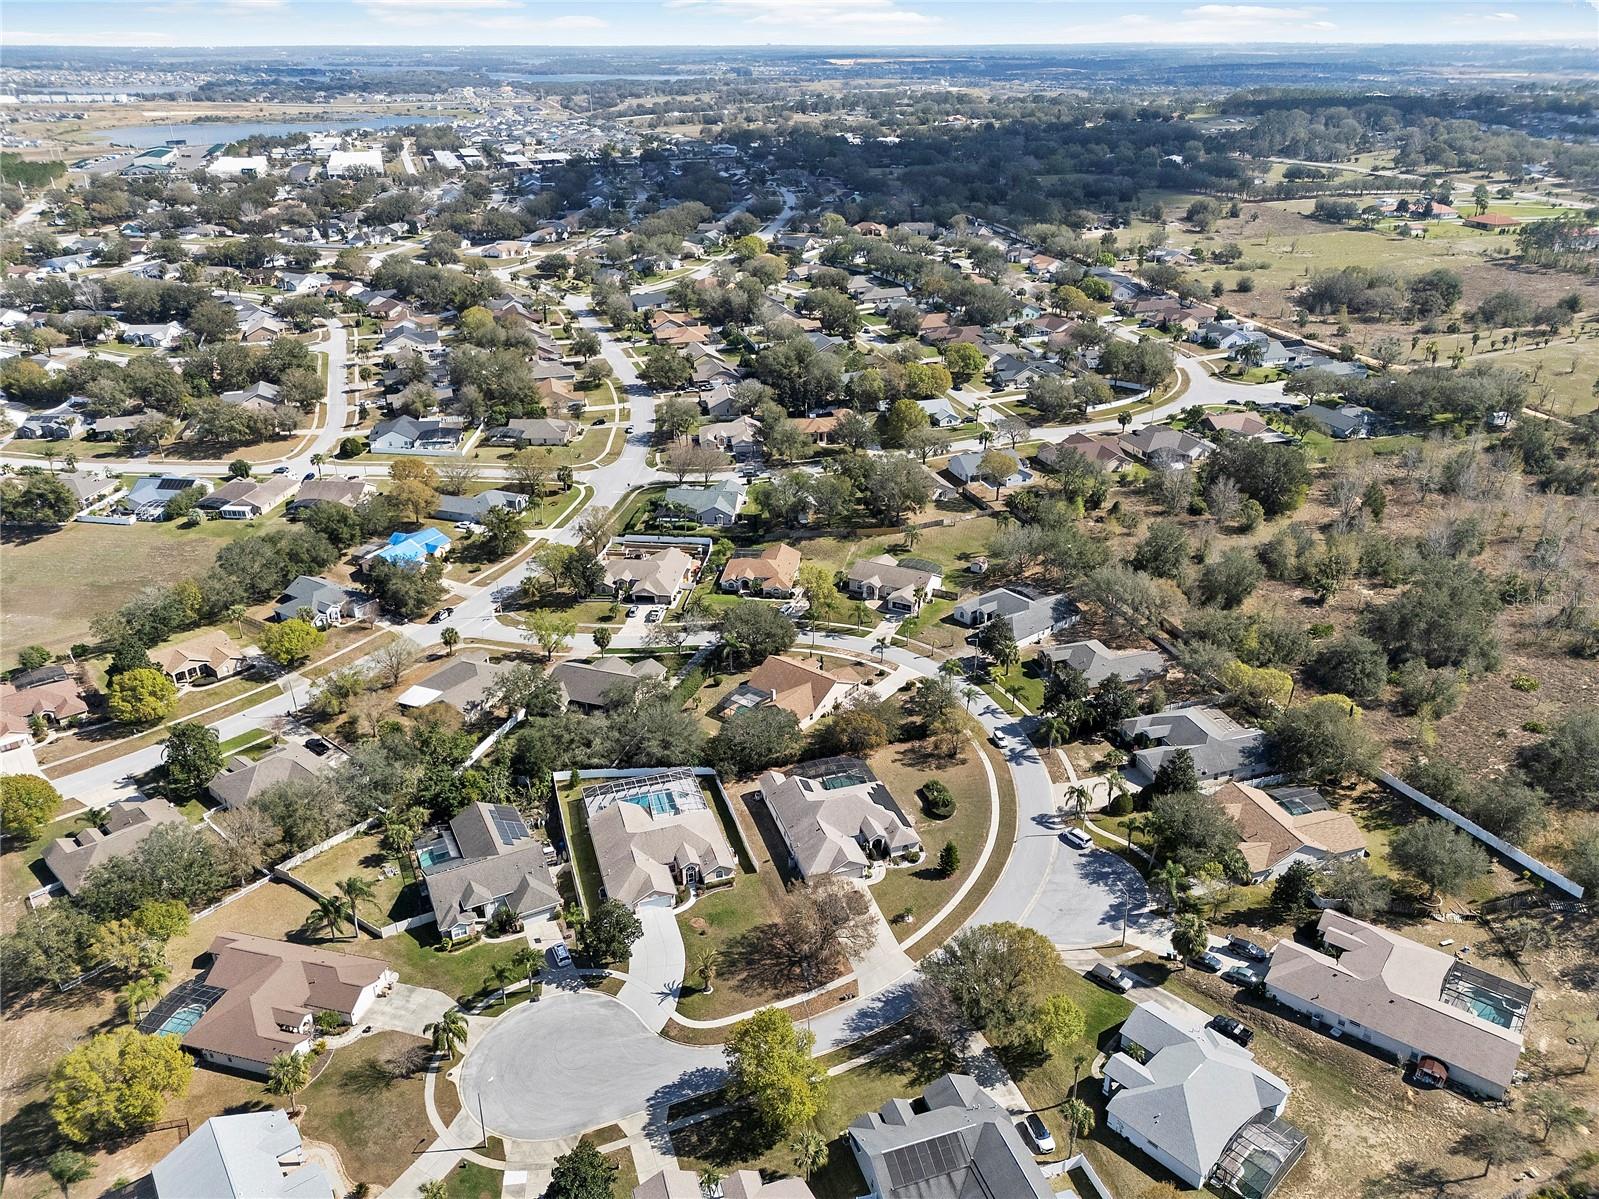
{"type": "Point", "coordinates": [710, 23]}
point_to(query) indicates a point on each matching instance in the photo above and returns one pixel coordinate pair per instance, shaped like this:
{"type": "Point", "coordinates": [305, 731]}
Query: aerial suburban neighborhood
{"type": "Point", "coordinates": [739, 599]}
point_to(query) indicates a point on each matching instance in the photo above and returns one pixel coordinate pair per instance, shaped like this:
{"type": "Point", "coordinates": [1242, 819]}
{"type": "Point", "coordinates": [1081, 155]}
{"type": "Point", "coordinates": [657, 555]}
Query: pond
{"type": "Point", "coordinates": [209, 133]}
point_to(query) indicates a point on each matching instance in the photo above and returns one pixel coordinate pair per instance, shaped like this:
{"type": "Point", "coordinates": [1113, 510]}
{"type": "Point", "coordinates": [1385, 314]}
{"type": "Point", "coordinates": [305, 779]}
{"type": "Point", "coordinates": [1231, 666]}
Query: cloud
{"type": "Point", "coordinates": [1499, 16]}
{"type": "Point", "coordinates": [440, 4]}
{"type": "Point", "coordinates": [1249, 12]}
{"type": "Point", "coordinates": [847, 15]}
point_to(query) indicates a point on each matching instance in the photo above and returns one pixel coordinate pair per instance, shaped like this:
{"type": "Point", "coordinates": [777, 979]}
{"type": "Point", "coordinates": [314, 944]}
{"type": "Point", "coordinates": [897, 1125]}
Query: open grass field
{"type": "Point", "coordinates": [52, 586]}
{"type": "Point", "coordinates": [921, 890]}
{"type": "Point", "coordinates": [726, 922]}
{"type": "Point", "coordinates": [952, 546]}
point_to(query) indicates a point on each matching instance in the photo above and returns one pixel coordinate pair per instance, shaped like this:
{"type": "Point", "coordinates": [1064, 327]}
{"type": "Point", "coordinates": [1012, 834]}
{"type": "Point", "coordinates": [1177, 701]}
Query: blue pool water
{"type": "Point", "coordinates": [657, 803]}
{"type": "Point", "coordinates": [182, 1020]}
{"type": "Point", "coordinates": [432, 855]}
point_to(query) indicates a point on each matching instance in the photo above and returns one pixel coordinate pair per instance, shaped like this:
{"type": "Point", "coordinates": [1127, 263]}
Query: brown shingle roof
{"type": "Point", "coordinates": [777, 564]}
{"type": "Point", "coordinates": [1270, 832]}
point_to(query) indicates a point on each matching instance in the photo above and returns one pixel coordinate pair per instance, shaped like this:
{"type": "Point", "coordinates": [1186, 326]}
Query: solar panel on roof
{"type": "Point", "coordinates": [911, 1164]}
{"type": "Point", "coordinates": [509, 824]}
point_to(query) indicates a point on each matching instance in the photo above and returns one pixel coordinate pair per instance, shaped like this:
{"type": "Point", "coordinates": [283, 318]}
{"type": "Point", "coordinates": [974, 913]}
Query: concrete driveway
{"type": "Point", "coordinates": [1081, 902]}
{"type": "Point", "coordinates": [655, 969]}
{"type": "Point", "coordinates": [576, 1060]}
{"type": "Point", "coordinates": [407, 1009]}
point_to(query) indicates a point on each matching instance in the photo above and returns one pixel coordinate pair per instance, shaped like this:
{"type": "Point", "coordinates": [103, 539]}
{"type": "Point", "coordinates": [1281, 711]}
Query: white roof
{"type": "Point", "coordinates": [241, 1157]}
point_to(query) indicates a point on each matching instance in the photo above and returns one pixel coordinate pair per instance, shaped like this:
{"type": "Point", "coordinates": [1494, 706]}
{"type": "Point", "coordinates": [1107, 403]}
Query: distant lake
{"type": "Point", "coordinates": [208, 133]}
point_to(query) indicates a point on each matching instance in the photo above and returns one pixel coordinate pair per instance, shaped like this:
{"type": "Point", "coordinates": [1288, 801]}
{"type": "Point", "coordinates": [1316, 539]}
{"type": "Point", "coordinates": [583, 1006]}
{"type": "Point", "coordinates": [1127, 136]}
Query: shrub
{"type": "Point", "coordinates": [1524, 682]}
{"type": "Point", "coordinates": [937, 800]}
{"type": "Point", "coordinates": [1122, 805]}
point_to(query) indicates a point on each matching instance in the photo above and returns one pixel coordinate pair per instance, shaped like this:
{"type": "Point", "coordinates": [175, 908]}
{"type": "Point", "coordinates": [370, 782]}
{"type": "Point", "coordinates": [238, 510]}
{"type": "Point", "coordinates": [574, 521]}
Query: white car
{"type": "Point", "coordinates": [1077, 839]}
{"type": "Point", "coordinates": [1038, 1133]}
{"type": "Point", "coordinates": [560, 956]}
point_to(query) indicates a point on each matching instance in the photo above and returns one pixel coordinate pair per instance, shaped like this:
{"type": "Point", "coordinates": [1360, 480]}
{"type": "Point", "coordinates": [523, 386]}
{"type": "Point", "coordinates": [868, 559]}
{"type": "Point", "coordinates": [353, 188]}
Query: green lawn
{"type": "Point", "coordinates": [923, 889]}
{"type": "Point", "coordinates": [397, 897]}
{"type": "Point", "coordinates": [469, 1180]}
{"type": "Point", "coordinates": [722, 921]}
{"type": "Point", "coordinates": [457, 973]}
{"type": "Point", "coordinates": [1025, 681]}
{"type": "Point", "coordinates": [586, 867]}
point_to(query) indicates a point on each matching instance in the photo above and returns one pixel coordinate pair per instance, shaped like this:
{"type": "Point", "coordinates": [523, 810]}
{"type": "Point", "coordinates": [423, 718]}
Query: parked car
{"type": "Point", "coordinates": [1107, 975]}
{"type": "Point", "coordinates": [317, 746]}
{"type": "Point", "coordinates": [1234, 1030]}
{"type": "Point", "coordinates": [632, 611]}
{"type": "Point", "coordinates": [560, 956]}
{"type": "Point", "coordinates": [1038, 1133]}
{"type": "Point", "coordinates": [1209, 963]}
{"type": "Point", "coordinates": [280, 470]}
{"type": "Point", "coordinates": [997, 741]}
{"type": "Point", "coordinates": [1244, 947]}
{"type": "Point", "coordinates": [1077, 839]}
{"type": "Point", "coordinates": [308, 476]}
{"type": "Point", "coordinates": [653, 616]}
{"type": "Point", "coordinates": [629, 429]}
{"type": "Point", "coordinates": [441, 616]}
{"type": "Point", "coordinates": [1241, 976]}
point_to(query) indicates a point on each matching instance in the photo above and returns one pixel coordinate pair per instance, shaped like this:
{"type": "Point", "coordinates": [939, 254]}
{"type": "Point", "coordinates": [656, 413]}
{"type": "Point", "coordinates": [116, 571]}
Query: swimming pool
{"type": "Point", "coordinates": [182, 1020]}
{"type": "Point", "coordinates": [433, 855]}
{"type": "Point", "coordinates": [656, 803]}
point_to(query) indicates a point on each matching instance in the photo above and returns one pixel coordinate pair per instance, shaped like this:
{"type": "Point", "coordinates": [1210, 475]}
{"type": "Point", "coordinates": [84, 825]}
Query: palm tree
{"type": "Point", "coordinates": [288, 1074]}
{"type": "Point", "coordinates": [706, 965]}
{"type": "Point", "coordinates": [329, 915]}
{"type": "Point", "coordinates": [317, 460]}
{"type": "Point", "coordinates": [450, 637]}
{"type": "Point", "coordinates": [1079, 1119]}
{"type": "Point", "coordinates": [1055, 729]}
{"type": "Point", "coordinates": [435, 1188]}
{"type": "Point", "coordinates": [1172, 879]}
{"type": "Point", "coordinates": [1077, 800]}
{"type": "Point", "coordinates": [138, 995]}
{"type": "Point", "coordinates": [356, 890]}
{"type": "Point", "coordinates": [1078, 1063]}
{"type": "Point", "coordinates": [810, 1152]}
{"type": "Point", "coordinates": [448, 1032]}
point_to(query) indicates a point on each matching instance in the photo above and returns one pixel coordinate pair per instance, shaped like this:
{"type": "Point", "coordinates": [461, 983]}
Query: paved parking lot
{"type": "Point", "coordinates": [573, 1061]}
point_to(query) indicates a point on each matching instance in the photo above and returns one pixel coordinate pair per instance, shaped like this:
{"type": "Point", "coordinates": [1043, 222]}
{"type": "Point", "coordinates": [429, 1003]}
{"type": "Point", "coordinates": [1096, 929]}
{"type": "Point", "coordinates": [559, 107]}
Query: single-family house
{"type": "Point", "coordinates": [412, 549]}
{"type": "Point", "coordinates": [599, 684]}
{"type": "Point", "coordinates": [769, 571]}
{"type": "Point", "coordinates": [1219, 745]}
{"type": "Point", "coordinates": [465, 684]}
{"type": "Point", "coordinates": [211, 654]}
{"type": "Point", "coordinates": [247, 1155]}
{"type": "Point", "coordinates": [348, 492]}
{"type": "Point", "coordinates": [740, 436]}
{"type": "Point", "coordinates": [1096, 663]}
{"type": "Point", "coordinates": [86, 486]}
{"type": "Point", "coordinates": [407, 337]}
{"type": "Point", "coordinates": [1248, 425]}
{"type": "Point", "coordinates": [1162, 446]}
{"type": "Point", "coordinates": [49, 694]}
{"type": "Point", "coordinates": [1344, 422]}
{"type": "Point", "coordinates": [1282, 826]}
{"type": "Point", "coordinates": [408, 435]}
{"type": "Point", "coordinates": [258, 998]}
{"type": "Point", "coordinates": [1198, 1104]}
{"type": "Point", "coordinates": [243, 779]}
{"type": "Point", "coordinates": [483, 860]}
{"type": "Point", "coordinates": [1103, 450]}
{"type": "Point", "coordinates": [328, 603]}
{"type": "Point", "coordinates": [655, 834]}
{"type": "Point", "coordinates": [535, 430]}
{"type": "Point", "coordinates": [147, 498]}
{"type": "Point", "coordinates": [955, 1142]}
{"type": "Point", "coordinates": [837, 818]}
{"type": "Point", "coordinates": [1031, 616]}
{"type": "Point", "coordinates": [1451, 1021]}
{"type": "Point", "coordinates": [902, 587]}
{"type": "Point", "coordinates": [968, 468]}
{"type": "Point", "coordinates": [246, 499]}
{"type": "Point", "coordinates": [716, 506]}
{"type": "Point", "coordinates": [803, 688]}
{"type": "Point", "coordinates": [941, 413]}
{"type": "Point", "coordinates": [156, 337]}
{"type": "Point", "coordinates": [127, 823]}
{"type": "Point", "coordinates": [475, 507]}
{"type": "Point", "coordinates": [648, 577]}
